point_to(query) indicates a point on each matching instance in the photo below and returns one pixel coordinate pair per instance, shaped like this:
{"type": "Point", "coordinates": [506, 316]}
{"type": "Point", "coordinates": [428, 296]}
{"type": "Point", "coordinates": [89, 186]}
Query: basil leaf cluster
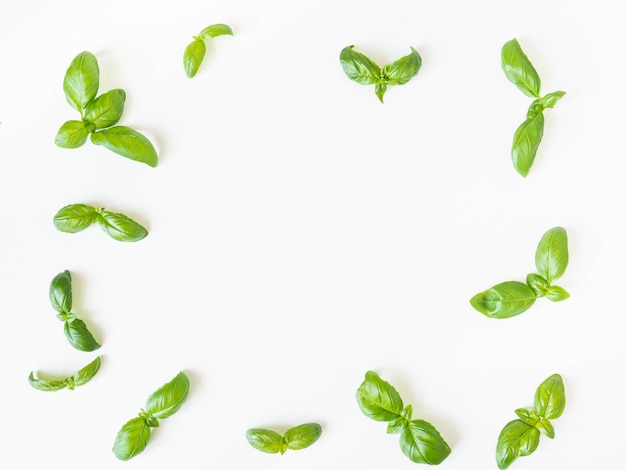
{"type": "Point", "coordinates": [419, 440]}
{"type": "Point", "coordinates": [511, 298]}
{"type": "Point", "coordinates": [361, 69]}
{"type": "Point", "coordinates": [296, 438]}
{"type": "Point", "coordinates": [520, 437]}
{"type": "Point", "coordinates": [77, 379]}
{"type": "Point", "coordinates": [133, 438]}
{"type": "Point", "coordinates": [75, 329]}
{"type": "Point", "coordinates": [99, 114]}
{"type": "Point", "coordinates": [520, 71]}
{"type": "Point", "coordinates": [195, 51]}
{"type": "Point", "coordinates": [77, 217]}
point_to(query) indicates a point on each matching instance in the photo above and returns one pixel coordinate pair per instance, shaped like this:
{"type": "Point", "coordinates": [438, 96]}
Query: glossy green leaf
{"type": "Point", "coordinates": [538, 284]}
{"type": "Point", "coordinates": [557, 294]}
{"type": "Point", "coordinates": [517, 439]}
{"type": "Point", "coordinates": [79, 336]}
{"type": "Point", "coordinates": [359, 67]}
{"type": "Point", "coordinates": [402, 70]}
{"type": "Point", "coordinates": [545, 427]}
{"type": "Point", "coordinates": [168, 399]}
{"type": "Point", "coordinates": [85, 374]}
{"type": "Point", "coordinates": [528, 415]}
{"type": "Point", "coordinates": [550, 397]}
{"type": "Point", "coordinates": [526, 141]}
{"type": "Point", "coordinates": [74, 218]}
{"type": "Point", "coordinates": [519, 70]}
{"type": "Point", "coordinates": [193, 57]}
{"type": "Point", "coordinates": [504, 300]}
{"type": "Point", "coordinates": [71, 135]}
{"type": "Point", "coordinates": [128, 143]}
{"type": "Point", "coordinates": [266, 440]}
{"type": "Point", "coordinates": [422, 443]}
{"type": "Point", "coordinates": [302, 436]}
{"type": "Point", "coordinates": [215, 30]}
{"type": "Point", "coordinates": [46, 385]}
{"type": "Point", "coordinates": [552, 254]}
{"type": "Point", "coordinates": [61, 292]}
{"type": "Point", "coordinates": [378, 399]}
{"type": "Point", "coordinates": [120, 227]}
{"type": "Point", "coordinates": [132, 439]}
{"type": "Point", "coordinates": [380, 89]}
{"type": "Point", "coordinates": [81, 81]}
{"type": "Point", "coordinates": [551, 99]}
{"type": "Point", "coordinates": [106, 110]}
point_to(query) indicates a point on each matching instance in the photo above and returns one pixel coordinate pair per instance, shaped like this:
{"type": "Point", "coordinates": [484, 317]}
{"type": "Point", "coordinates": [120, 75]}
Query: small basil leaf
{"type": "Point", "coordinates": [552, 98]}
{"type": "Point", "coordinates": [168, 399]}
{"type": "Point", "coordinates": [81, 81]}
{"type": "Point", "coordinates": [550, 397]}
{"type": "Point", "coordinates": [266, 440]}
{"type": "Point", "coordinates": [380, 89]}
{"type": "Point", "coordinates": [378, 399]}
{"type": "Point", "coordinates": [422, 443]}
{"type": "Point", "coordinates": [519, 70]}
{"type": "Point", "coordinates": [215, 30]}
{"type": "Point", "coordinates": [526, 141]}
{"type": "Point", "coordinates": [504, 300]}
{"type": "Point", "coordinates": [61, 292]}
{"type": "Point", "coordinates": [106, 110]}
{"type": "Point", "coordinates": [302, 436]}
{"type": "Point", "coordinates": [79, 336]}
{"type": "Point", "coordinates": [402, 70]}
{"type": "Point", "coordinates": [46, 385]}
{"type": "Point", "coordinates": [359, 67]}
{"type": "Point", "coordinates": [87, 373]}
{"type": "Point", "coordinates": [74, 218]}
{"type": "Point", "coordinates": [538, 284]}
{"type": "Point", "coordinates": [545, 427]}
{"type": "Point", "coordinates": [132, 439]}
{"type": "Point", "coordinates": [193, 57]}
{"type": "Point", "coordinates": [536, 107]}
{"type": "Point", "coordinates": [152, 421]}
{"type": "Point", "coordinates": [128, 143]}
{"type": "Point", "coordinates": [121, 227]}
{"type": "Point", "coordinates": [516, 439]}
{"type": "Point", "coordinates": [552, 255]}
{"type": "Point", "coordinates": [71, 135]}
{"type": "Point", "coordinates": [557, 294]}
{"type": "Point", "coordinates": [528, 415]}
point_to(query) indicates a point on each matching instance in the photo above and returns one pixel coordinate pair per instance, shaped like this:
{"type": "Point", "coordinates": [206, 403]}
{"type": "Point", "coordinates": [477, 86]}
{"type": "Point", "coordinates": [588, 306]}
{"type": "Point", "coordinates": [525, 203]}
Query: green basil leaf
{"type": "Point", "coordinates": [378, 399]}
{"type": "Point", "coordinates": [193, 57]}
{"type": "Point", "coordinates": [550, 397]}
{"type": "Point", "coordinates": [402, 70]}
{"type": "Point", "coordinates": [504, 300]}
{"type": "Point", "coordinates": [552, 255]}
{"type": "Point", "coordinates": [81, 81]}
{"type": "Point", "coordinates": [266, 440]}
{"type": "Point", "coordinates": [517, 439]}
{"type": "Point", "coordinates": [168, 399]}
{"type": "Point", "coordinates": [85, 374]}
{"type": "Point", "coordinates": [132, 439]}
{"type": "Point", "coordinates": [538, 284]}
{"type": "Point", "coordinates": [359, 67]}
{"type": "Point", "coordinates": [74, 218]}
{"type": "Point", "coordinates": [215, 30]}
{"type": "Point", "coordinates": [121, 227]}
{"type": "Point", "coordinates": [46, 385]}
{"type": "Point", "coordinates": [61, 292]}
{"type": "Point", "coordinates": [552, 98]}
{"type": "Point", "coordinates": [422, 443]}
{"type": "Point", "coordinates": [526, 141]}
{"type": "Point", "coordinates": [528, 415]}
{"type": "Point", "coordinates": [79, 336]}
{"type": "Point", "coordinates": [396, 425]}
{"type": "Point", "coordinates": [519, 70]}
{"type": "Point", "coordinates": [380, 89]}
{"type": "Point", "coordinates": [302, 436]}
{"type": "Point", "coordinates": [128, 143]}
{"type": "Point", "coordinates": [71, 135]}
{"type": "Point", "coordinates": [106, 110]}
{"type": "Point", "coordinates": [557, 294]}
{"type": "Point", "coordinates": [545, 427]}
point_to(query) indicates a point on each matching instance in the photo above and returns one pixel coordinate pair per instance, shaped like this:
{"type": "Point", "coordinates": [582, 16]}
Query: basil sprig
{"type": "Point", "coordinates": [133, 438]}
{"type": "Point", "coordinates": [520, 437]}
{"type": "Point", "coordinates": [77, 217]}
{"type": "Point", "coordinates": [419, 440]}
{"type": "Point", "coordinates": [99, 114]}
{"type": "Point", "coordinates": [520, 71]}
{"type": "Point", "coordinates": [195, 51]}
{"type": "Point", "coordinates": [511, 298]}
{"type": "Point", "coordinates": [81, 377]}
{"type": "Point", "coordinates": [361, 69]}
{"type": "Point", "coordinates": [296, 438]}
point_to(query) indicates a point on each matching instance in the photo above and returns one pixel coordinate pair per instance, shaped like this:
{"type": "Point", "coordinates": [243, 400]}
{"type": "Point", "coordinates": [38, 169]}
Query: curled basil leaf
{"type": "Point", "coordinates": [378, 399]}
{"type": "Point", "coordinates": [504, 300]}
{"type": "Point", "coordinates": [528, 415]}
{"type": "Point", "coordinates": [302, 436]}
{"type": "Point", "coordinates": [526, 141]}
{"type": "Point", "coordinates": [422, 443]}
{"type": "Point", "coordinates": [551, 99]}
{"type": "Point", "coordinates": [74, 218]}
{"type": "Point", "coordinates": [128, 143]}
{"type": "Point", "coordinates": [132, 439]}
{"type": "Point", "coordinates": [168, 399]}
{"type": "Point", "coordinates": [46, 385]}
{"type": "Point", "coordinates": [106, 110]}
{"type": "Point", "coordinates": [121, 227]}
{"type": "Point", "coordinates": [552, 254]}
{"type": "Point", "coordinates": [215, 30]}
{"type": "Point", "coordinates": [195, 51]}
{"type": "Point", "coordinates": [266, 440]}
{"type": "Point", "coordinates": [78, 379]}
{"type": "Point", "coordinates": [71, 135]}
{"type": "Point", "coordinates": [358, 67]}
{"type": "Point", "coordinates": [402, 70]}
{"type": "Point", "coordinates": [517, 439]}
{"type": "Point", "coordinates": [79, 336]}
{"type": "Point", "coordinates": [519, 70]}
{"type": "Point", "coordinates": [81, 80]}
{"type": "Point", "coordinates": [60, 292]}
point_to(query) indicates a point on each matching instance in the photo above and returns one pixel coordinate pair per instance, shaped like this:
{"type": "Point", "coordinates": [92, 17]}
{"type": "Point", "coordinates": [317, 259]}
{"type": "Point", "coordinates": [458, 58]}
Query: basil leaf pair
{"type": "Point", "coordinates": [361, 69]}
{"type": "Point", "coordinates": [195, 51]}
{"type": "Point", "coordinates": [99, 114]}
{"type": "Point", "coordinates": [75, 329]}
{"type": "Point", "coordinates": [134, 435]}
{"type": "Point", "coordinates": [81, 377]}
{"type": "Point", "coordinates": [511, 298]}
{"type": "Point", "coordinates": [296, 438]}
{"type": "Point", "coordinates": [520, 71]}
{"type": "Point", "coordinates": [77, 217]}
{"type": "Point", "coordinates": [419, 440]}
{"type": "Point", "coordinates": [520, 437]}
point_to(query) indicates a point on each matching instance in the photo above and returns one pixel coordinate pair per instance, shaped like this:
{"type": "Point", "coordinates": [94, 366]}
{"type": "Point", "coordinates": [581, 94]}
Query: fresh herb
{"type": "Point", "coordinates": [296, 438]}
{"type": "Point", "coordinates": [133, 438]}
{"type": "Point", "coordinates": [77, 217]}
{"type": "Point", "coordinates": [419, 440]}
{"type": "Point", "coordinates": [75, 329]}
{"type": "Point", "coordinates": [520, 437]}
{"type": "Point", "coordinates": [194, 53]}
{"type": "Point", "coordinates": [363, 70]}
{"type": "Point", "coordinates": [81, 377]}
{"type": "Point", "coordinates": [99, 114]}
{"type": "Point", "coordinates": [520, 71]}
{"type": "Point", "coordinates": [511, 298]}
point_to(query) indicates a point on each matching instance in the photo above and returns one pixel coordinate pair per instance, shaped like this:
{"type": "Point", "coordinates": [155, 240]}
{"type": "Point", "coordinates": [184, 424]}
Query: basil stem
{"type": "Point", "coordinates": [195, 51]}
{"type": "Point", "coordinates": [296, 438]}
{"type": "Point", "coordinates": [78, 379]}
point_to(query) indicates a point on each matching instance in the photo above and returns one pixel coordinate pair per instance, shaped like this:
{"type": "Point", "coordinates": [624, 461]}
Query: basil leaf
{"type": "Point", "coordinates": [402, 70]}
{"type": "Point", "coordinates": [396, 425]}
{"type": "Point", "coordinates": [550, 397]}
{"type": "Point", "coordinates": [168, 399]}
{"type": "Point", "coordinates": [74, 218]}
{"type": "Point", "coordinates": [84, 375]}
{"type": "Point", "coordinates": [380, 89]}
{"type": "Point", "coordinates": [215, 30]}
{"type": "Point", "coordinates": [79, 336]}
{"type": "Point", "coordinates": [526, 141]}
{"type": "Point", "coordinates": [519, 70]}
{"type": "Point", "coordinates": [359, 67]}
{"type": "Point", "coordinates": [378, 399]}
{"type": "Point", "coordinates": [61, 292]}
{"type": "Point", "coordinates": [551, 99]}
{"type": "Point", "coordinates": [81, 81]}
{"type": "Point", "coordinates": [46, 385]}
{"type": "Point", "coordinates": [106, 110]}
{"type": "Point", "coordinates": [266, 440]}
{"type": "Point", "coordinates": [557, 294]}
{"type": "Point", "coordinates": [193, 57]}
{"type": "Point", "coordinates": [302, 436]}
{"type": "Point", "coordinates": [128, 143]}
{"type": "Point", "coordinates": [504, 300]}
{"type": "Point", "coordinates": [517, 439]}
{"type": "Point", "coordinates": [528, 415]}
{"type": "Point", "coordinates": [132, 439]}
{"type": "Point", "coordinates": [422, 443]}
{"type": "Point", "coordinates": [71, 135]}
{"type": "Point", "coordinates": [545, 427]}
{"type": "Point", "coordinates": [552, 254]}
{"type": "Point", "coordinates": [121, 227]}
{"type": "Point", "coordinates": [538, 284]}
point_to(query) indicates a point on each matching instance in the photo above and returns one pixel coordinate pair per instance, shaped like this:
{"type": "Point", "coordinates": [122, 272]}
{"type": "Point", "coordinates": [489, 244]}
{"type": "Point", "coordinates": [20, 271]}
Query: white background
{"type": "Point", "coordinates": [302, 233]}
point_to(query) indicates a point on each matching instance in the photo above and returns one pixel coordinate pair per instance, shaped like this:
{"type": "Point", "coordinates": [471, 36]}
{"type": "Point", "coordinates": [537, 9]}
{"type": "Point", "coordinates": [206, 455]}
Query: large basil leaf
{"type": "Point", "coordinates": [378, 399]}
{"type": "Point", "coordinates": [84, 375]}
{"type": "Point", "coordinates": [552, 254]}
{"type": "Point", "coordinates": [215, 30]}
{"type": "Point", "coordinates": [81, 81]}
{"type": "Point", "coordinates": [302, 436]}
{"type": "Point", "coordinates": [128, 143]}
{"type": "Point", "coordinates": [359, 67]}
{"type": "Point", "coordinates": [121, 227]}
{"type": "Point", "coordinates": [132, 439]}
{"type": "Point", "coordinates": [71, 135]}
{"type": "Point", "coordinates": [46, 385]}
{"type": "Point", "coordinates": [74, 218]}
{"type": "Point", "coordinates": [550, 397]}
{"type": "Point", "coordinates": [515, 440]}
{"type": "Point", "coordinates": [193, 57]}
{"type": "Point", "coordinates": [61, 292]}
{"type": "Point", "coordinates": [79, 336]}
{"type": "Point", "coordinates": [504, 300]}
{"type": "Point", "coordinates": [402, 70]}
{"type": "Point", "coordinates": [168, 399]}
{"type": "Point", "coordinates": [526, 141]}
{"type": "Point", "coordinates": [266, 440]}
{"type": "Point", "coordinates": [422, 443]}
{"type": "Point", "coordinates": [519, 70]}
{"type": "Point", "coordinates": [106, 110]}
